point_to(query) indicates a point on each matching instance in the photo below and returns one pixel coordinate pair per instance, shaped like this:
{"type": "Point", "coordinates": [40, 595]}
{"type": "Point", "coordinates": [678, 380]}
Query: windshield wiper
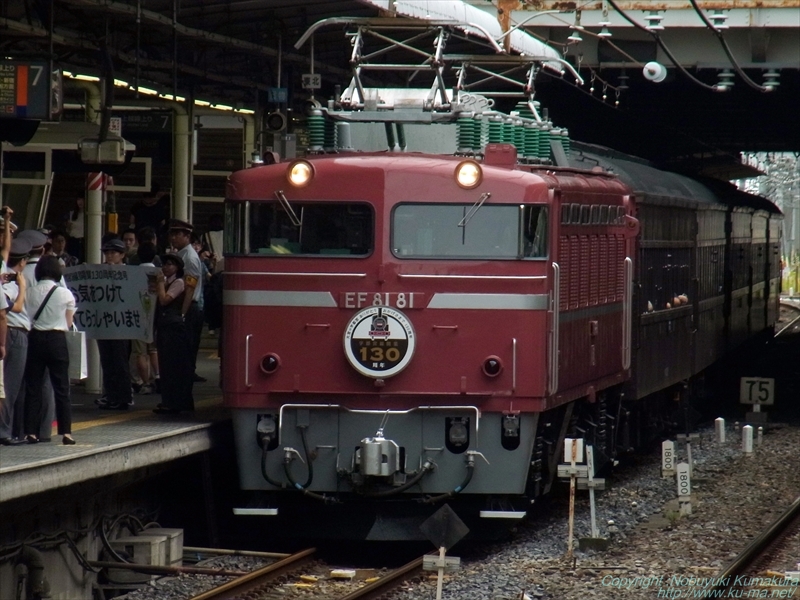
{"type": "Point", "coordinates": [288, 208]}
{"type": "Point", "coordinates": [474, 208]}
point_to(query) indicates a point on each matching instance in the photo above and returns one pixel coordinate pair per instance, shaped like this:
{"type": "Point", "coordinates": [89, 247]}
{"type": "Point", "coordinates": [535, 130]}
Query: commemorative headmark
{"type": "Point", "coordinates": [379, 341]}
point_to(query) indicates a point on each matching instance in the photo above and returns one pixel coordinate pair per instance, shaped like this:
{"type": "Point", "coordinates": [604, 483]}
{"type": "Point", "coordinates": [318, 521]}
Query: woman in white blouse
{"type": "Point", "coordinates": [51, 307]}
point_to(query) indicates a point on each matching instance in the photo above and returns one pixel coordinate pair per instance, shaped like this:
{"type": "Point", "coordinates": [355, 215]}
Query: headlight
{"type": "Point", "coordinates": [300, 173]}
{"type": "Point", "coordinates": [468, 174]}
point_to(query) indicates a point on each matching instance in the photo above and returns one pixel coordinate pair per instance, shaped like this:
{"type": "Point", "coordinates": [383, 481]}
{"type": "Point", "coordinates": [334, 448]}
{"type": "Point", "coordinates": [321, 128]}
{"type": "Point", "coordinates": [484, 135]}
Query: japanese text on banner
{"type": "Point", "coordinates": [114, 302]}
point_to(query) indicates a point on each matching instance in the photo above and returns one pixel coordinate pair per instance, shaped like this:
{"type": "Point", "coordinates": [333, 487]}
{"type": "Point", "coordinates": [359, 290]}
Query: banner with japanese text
{"type": "Point", "coordinates": [114, 302]}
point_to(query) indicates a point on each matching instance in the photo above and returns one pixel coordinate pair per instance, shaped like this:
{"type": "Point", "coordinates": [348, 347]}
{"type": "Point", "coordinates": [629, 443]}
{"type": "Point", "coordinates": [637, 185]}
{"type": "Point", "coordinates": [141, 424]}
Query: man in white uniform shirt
{"type": "Point", "coordinates": [16, 344]}
{"type": "Point", "coordinates": [180, 236]}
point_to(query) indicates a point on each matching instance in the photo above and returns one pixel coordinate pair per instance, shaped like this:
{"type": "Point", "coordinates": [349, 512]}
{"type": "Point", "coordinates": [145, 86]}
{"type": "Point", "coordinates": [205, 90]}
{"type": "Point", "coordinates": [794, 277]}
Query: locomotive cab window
{"type": "Point", "coordinates": [301, 229]}
{"type": "Point", "coordinates": [447, 231]}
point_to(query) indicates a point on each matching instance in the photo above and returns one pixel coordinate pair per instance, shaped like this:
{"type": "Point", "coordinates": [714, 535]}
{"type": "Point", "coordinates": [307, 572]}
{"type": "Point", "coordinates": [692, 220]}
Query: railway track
{"type": "Point", "coordinates": [789, 321]}
{"type": "Point", "coordinates": [763, 563]}
{"type": "Point", "coordinates": [266, 583]}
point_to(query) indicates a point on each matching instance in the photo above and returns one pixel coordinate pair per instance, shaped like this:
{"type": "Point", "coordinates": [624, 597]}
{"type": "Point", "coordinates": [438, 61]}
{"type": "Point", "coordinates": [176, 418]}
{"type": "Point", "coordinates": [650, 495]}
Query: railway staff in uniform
{"type": "Point", "coordinates": [180, 236]}
{"type": "Point", "coordinates": [16, 344]}
{"type": "Point", "coordinates": [172, 339]}
{"type": "Point", "coordinates": [52, 307]}
{"type": "Point", "coordinates": [115, 354]}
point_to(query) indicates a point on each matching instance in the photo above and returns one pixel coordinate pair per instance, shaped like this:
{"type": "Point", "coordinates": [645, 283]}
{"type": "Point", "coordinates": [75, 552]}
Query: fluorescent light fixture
{"type": "Point", "coordinates": [120, 83]}
{"type": "Point", "coordinates": [145, 90]}
{"type": "Point", "coordinates": [86, 77]}
{"type": "Point", "coordinates": [202, 103]}
{"type": "Point", "coordinates": [222, 107]}
{"type": "Point", "coordinates": [245, 111]}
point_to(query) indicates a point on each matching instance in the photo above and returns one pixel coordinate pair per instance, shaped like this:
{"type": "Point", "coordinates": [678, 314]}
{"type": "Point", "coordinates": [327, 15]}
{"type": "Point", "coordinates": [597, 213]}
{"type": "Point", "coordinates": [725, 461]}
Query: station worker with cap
{"type": "Point", "coordinates": [13, 300]}
{"type": "Point", "coordinates": [180, 236]}
{"type": "Point", "coordinates": [38, 241]}
{"type": "Point", "coordinates": [5, 248]}
{"type": "Point", "coordinates": [115, 354]}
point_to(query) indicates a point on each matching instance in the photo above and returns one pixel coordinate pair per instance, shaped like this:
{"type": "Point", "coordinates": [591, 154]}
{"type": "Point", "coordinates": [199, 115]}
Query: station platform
{"type": "Point", "coordinates": [112, 441]}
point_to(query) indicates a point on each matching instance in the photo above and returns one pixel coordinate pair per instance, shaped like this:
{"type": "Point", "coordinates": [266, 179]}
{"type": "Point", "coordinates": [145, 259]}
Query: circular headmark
{"type": "Point", "coordinates": [379, 341]}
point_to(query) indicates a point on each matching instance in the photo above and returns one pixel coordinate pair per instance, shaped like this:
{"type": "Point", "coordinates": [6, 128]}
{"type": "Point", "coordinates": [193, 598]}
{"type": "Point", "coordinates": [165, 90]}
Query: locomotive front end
{"type": "Point", "coordinates": [386, 332]}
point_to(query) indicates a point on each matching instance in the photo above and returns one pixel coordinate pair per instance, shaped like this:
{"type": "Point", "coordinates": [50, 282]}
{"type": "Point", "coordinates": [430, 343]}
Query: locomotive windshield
{"type": "Point", "coordinates": [333, 229]}
{"type": "Point", "coordinates": [496, 231]}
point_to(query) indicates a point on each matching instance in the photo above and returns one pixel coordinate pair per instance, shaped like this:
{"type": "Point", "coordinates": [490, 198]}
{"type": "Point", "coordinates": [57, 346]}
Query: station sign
{"type": "Point", "coordinates": [312, 81]}
{"type": "Point", "coordinates": [757, 390]}
{"type": "Point", "coordinates": [30, 90]}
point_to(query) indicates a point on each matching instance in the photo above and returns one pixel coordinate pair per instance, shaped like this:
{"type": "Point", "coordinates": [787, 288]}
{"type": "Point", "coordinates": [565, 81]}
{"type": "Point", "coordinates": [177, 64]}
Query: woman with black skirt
{"type": "Point", "coordinates": [52, 307]}
{"type": "Point", "coordinates": [172, 340]}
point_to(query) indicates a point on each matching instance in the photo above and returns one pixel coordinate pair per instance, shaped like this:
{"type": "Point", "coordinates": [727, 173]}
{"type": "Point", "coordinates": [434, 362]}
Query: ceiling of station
{"type": "Point", "coordinates": [232, 52]}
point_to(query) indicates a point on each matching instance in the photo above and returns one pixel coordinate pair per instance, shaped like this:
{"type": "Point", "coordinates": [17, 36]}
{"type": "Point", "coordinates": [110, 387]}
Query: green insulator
{"type": "Point", "coordinates": [523, 110]}
{"type": "Point", "coordinates": [478, 133]}
{"type": "Point", "coordinates": [495, 130]}
{"type": "Point", "coordinates": [531, 150]}
{"type": "Point", "coordinates": [519, 137]}
{"type": "Point", "coordinates": [544, 142]}
{"type": "Point", "coordinates": [316, 131]}
{"type": "Point", "coordinates": [465, 126]}
{"type": "Point", "coordinates": [330, 135]}
{"type": "Point", "coordinates": [508, 130]}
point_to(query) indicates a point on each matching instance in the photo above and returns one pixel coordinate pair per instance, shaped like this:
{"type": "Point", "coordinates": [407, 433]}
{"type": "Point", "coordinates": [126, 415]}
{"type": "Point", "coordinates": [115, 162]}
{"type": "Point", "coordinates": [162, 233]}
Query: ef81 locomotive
{"type": "Point", "coordinates": [404, 329]}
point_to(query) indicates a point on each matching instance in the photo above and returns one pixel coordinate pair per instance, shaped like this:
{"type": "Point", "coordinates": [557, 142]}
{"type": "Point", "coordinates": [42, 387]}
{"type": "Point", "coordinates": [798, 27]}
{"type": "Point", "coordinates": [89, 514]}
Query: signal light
{"type": "Point", "coordinates": [299, 173]}
{"type": "Point", "coordinates": [468, 174]}
{"type": "Point", "coordinates": [270, 363]}
{"type": "Point", "coordinates": [492, 366]}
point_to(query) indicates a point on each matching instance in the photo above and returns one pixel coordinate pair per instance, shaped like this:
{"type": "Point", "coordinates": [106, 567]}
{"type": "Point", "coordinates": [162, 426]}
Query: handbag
{"type": "Point", "coordinates": [76, 347]}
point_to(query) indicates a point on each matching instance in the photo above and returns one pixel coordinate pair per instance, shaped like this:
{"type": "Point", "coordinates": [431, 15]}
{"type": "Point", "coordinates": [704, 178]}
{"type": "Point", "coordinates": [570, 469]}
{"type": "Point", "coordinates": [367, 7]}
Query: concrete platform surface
{"type": "Point", "coordinates": [111, 441]}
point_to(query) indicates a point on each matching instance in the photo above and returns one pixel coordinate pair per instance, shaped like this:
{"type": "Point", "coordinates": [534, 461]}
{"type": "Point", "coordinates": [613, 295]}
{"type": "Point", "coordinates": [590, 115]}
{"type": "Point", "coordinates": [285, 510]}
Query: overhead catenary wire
{"type": "Point", "coordinates": [727, 50]}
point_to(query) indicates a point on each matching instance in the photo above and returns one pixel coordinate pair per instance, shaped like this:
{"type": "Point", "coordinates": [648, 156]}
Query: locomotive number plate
{"type": "Point", "coordinates": [379, 341]}
{"type": "Point", "coordinates": [401, 300]}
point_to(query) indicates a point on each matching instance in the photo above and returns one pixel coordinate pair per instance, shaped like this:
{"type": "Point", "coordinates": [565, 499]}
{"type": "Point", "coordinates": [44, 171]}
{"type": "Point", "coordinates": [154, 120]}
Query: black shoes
{"type": "Point", "coordinates": [11, 442]}
{"type": "Point", "coordinates": [163, 410]}
{"type": "Point", "coordinates": [199, 379]}
{"type": "Point", "coordinates": [67, 441]}
{"type": "Point", "coordinates": [115, 406]}
{"type": "Point", "coordinates": [31, 439]}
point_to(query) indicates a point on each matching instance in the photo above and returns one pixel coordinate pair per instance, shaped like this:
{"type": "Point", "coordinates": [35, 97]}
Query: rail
{"type": "Point", "coordinates": [760, 545]}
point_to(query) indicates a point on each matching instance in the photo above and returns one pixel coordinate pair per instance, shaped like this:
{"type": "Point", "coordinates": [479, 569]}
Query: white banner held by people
{"type": "Point", "coordinates": [114, 302]}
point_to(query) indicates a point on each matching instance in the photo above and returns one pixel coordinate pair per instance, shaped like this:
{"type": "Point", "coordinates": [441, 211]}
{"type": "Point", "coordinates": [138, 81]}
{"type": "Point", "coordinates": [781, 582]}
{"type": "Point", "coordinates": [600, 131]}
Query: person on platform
{"type": "Point", "coordinates": [59, 249]}
{"type": "Point", "coordinates": [38, 241]}
{"type": "Point", "coordinates": [172, 339]}
{"type": "Point", "coordinates": [131, 245]}
{"type": "Point", "coordinates": [180, 237]}
{"type": "Point", "coordinates": [151, 211]}
{"type": "Point", "coordinates": [115, 354]}
{"type": "Point", "coordinates": [143, 355]}
{"type": "Point", "coordinates": [5, 249]}
{"type": "Point", "coordinates": [52, 307]}
{"type": "Point", "coordinates": [16, 344]}
{"type": "Point", "coordinates": [74, 226]}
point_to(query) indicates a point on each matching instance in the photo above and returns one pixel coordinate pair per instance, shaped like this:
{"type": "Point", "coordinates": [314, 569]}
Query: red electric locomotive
{"type": "Point", "coordinates": [404, 329]}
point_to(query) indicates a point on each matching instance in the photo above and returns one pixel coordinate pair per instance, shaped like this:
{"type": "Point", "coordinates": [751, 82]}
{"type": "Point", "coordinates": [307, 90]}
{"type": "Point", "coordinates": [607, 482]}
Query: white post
{"type": "Point", "coordinates": [667, 459]}
{"type": "Point", "coordinates": [689, 456]}
{"type": "Point", "coordinates": [684, 489]}
{"type": "Point", "coordinates": [572, 460]}
{"type": "Point", "coordinates": [736, 426]}
{"type": "Point", "coordinates": [719, 427]}
{"type": "Point", "coordinates": [94, 232]}
{"type": "Point", "coordinates": [747, 439]}
{"type": "Point", "coordinates": [760, 437]}
{"type": "Point", "coordinates": [590, 475]}
{"type": "Point", "coordinates": [441, 574]}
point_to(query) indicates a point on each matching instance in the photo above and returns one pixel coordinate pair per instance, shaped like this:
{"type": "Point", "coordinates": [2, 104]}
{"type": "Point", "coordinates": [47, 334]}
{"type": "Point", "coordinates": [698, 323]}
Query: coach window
{"type": "Point", "coordinates": [493, 232]}
{"type": "Point", "coordinates": [585, 215]}
{"type": "Point", "coordinates": [595, 215]}
{"type": "Point", "coordinates": [565, 210]}
{"type": "Point", "coordinates": [604, 215]}
{"type": "Point", "coordinates": [575, 214]}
